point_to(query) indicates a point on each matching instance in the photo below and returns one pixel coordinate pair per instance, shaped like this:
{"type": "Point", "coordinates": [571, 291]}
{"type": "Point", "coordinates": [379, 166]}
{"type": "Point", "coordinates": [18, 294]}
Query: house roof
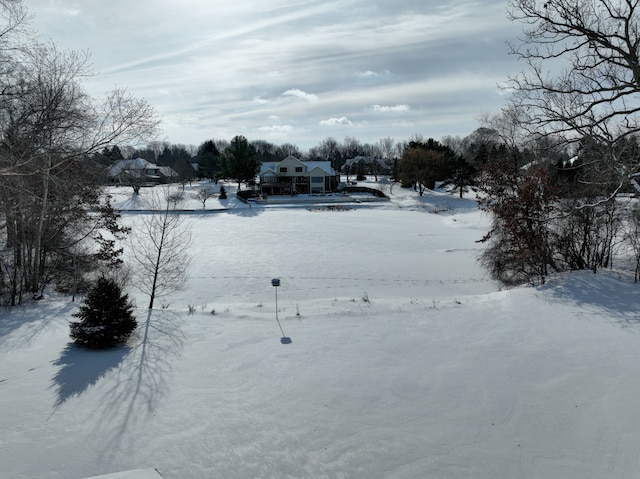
{"type": "Point", "coordinates": [369, 160]}
{"type": "Point", "coordinates": [167, 171]}
{"type": "Point", "coordinates": [271, 167]}
{"type": "Point", "coordinates": [137, 164]}
{"type": "Point", "coordinates": [323, 165]}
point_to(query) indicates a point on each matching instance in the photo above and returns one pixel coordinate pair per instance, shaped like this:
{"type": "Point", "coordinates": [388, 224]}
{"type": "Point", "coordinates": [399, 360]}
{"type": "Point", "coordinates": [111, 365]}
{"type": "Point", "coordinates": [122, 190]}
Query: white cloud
{"type": "Point", "coordinates": [368, 74]}
{"type": "Point", "coordinates": [277, 128]}
{"type": "Point", "coordinates": [229, 67]}
{"type": "Point", "coordinates": [301, 94]}
{"type": "Point", "coordinates": [392, 109]}
{"type": "Point", "coordinates": [343, 120]}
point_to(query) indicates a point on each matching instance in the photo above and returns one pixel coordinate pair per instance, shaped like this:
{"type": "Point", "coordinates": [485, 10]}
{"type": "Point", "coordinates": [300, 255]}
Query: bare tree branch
{"type": "Point", "coordinates": [161, 250]}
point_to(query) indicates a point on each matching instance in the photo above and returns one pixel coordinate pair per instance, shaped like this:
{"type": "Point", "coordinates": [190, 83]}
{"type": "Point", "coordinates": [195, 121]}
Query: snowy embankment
{"type": "Point", "coordinates": [406, 361]}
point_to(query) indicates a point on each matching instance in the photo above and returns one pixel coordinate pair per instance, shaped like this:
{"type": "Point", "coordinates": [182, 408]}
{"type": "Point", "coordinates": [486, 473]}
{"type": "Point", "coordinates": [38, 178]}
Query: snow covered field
{"type": "Point", "coordinates": [406, 360]}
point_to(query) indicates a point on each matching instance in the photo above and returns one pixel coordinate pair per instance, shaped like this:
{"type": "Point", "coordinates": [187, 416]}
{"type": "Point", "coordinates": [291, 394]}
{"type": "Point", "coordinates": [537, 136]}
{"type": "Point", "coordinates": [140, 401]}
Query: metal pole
{"type": "Point", "coordinates": [275, 282]}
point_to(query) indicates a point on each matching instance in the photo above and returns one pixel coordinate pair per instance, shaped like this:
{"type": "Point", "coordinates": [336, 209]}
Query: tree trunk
{"type": "Point", "coordinates": [38, 258]}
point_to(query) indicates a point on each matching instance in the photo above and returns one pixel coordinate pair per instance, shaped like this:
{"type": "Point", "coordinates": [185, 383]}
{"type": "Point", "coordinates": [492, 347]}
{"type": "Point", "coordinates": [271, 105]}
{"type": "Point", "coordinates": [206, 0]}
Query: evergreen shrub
{"type": "Point", "coordinates": [105, 317]}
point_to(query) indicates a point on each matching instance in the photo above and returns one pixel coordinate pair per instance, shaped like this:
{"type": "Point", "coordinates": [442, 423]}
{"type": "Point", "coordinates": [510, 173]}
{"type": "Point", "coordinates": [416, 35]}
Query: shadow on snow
{"type": "Point", "coordinates": [137, 377]}
{"type": "Point", "coordinates": [33, 319]}
{"type": "Point", "coordinates": [140, 383]}
{"type": "Point", "coordinates": [81, 368]}
{"type": "Point", "coordinates": [614, 292]}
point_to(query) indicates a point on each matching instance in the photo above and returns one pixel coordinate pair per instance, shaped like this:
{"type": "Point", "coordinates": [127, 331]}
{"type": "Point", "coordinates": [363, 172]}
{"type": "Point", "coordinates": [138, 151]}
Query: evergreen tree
{"type": "Point", "coordinates": [239, 160]}
{"type": "Point", "coordinates": [424, 163]}
{"type": "Point", "coordinates": [463, 177]}
{"type": "Point", "coordinates": [113, 154]}
{"type": "Point", "coordinates": [106, 318]}
{"type": "Point", "coordinates": [207, 158]}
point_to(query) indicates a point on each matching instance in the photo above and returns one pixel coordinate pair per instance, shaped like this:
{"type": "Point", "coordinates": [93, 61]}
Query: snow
{"type": "Point", "coordinates": [406, 360]}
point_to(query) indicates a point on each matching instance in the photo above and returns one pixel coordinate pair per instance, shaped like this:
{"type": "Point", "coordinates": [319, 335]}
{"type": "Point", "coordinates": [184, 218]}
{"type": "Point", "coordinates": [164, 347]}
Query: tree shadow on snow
{"type": "Point", "coordinates": [81, 368]}
{"type": "Point", "coordinates": [33, 319]}
{"type": "Point", "coordinates": [247, 211]}
{"type": "Point", "coordinates": [443, 202]}
{"type": "Point", "coordinates": [611, 292]}
{"type": "Point", "coordinates": [139, 384]}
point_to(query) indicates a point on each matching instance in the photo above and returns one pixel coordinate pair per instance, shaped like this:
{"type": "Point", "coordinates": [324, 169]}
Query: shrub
{"type": "Point", "coordinates": [106, 318]}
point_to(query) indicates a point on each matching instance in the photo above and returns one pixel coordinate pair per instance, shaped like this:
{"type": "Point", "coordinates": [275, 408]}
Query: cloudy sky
{"type": "Point", "coordinates": [294, 71]}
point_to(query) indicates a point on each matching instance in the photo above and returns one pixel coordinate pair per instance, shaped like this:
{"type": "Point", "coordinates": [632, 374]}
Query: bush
{"type": "Point", "coordinates": [106, 318]}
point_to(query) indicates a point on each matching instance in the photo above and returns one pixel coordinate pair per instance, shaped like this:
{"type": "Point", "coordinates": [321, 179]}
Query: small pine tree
{"type": "Point", "coordinates": [223, 193]}
{"type": "Point", "coordinates": [106, 318]}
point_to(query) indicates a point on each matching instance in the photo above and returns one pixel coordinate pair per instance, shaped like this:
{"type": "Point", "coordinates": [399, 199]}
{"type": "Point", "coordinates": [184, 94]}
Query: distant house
{"type": "Point", "coordinates": [168, 174]}
{"type": "Point", "coordinates": [292, 176]}
{"type": "Point", "coordinates": [140, 171]}
{"type": "Point", "coordinates": [369, 165]}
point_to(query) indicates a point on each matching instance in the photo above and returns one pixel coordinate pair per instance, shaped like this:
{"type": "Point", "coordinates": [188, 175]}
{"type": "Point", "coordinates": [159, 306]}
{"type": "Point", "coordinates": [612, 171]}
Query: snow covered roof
{"type": "Point", "coordinates": [167, 171]}
{"type": "Point", "coordinates": [271, 167]}
{"type": "Point", "coordinates": [323, 165]}
{"type": "Point", "coordinates": [369, 160]}
{"type": "Point", "coordinates": [138, 164]}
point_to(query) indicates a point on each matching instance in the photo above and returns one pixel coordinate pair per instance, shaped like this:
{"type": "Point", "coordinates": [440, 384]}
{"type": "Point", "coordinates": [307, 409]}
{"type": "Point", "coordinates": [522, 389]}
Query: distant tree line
{"type": "Point", "coordinates": [239, 159]}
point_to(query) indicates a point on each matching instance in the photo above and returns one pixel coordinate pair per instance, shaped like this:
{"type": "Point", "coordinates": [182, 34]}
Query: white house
{"type": "Point", "coordinates": [292, 176]}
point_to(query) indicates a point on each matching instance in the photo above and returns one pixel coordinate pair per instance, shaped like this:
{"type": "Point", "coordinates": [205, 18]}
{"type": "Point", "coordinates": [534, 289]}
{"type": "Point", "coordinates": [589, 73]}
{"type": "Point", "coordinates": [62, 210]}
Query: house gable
{"type": "Point", "coordinates": [291, 166]}
{"type": "Point", "coordinates": [317, 171]}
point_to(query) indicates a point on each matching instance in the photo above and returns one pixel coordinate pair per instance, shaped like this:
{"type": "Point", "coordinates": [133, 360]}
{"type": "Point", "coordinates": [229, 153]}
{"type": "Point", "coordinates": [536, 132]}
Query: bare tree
{"type": "Point", "coordinates": [509, 128]}
{"type": "Point", "coordinates": [632, 237]}
{"type": "Point", "coordinates": [287, 149]}
{"type": "Point", "coordinates": [519, 242]}
{"type": "Point", "coordinates": [386, 147]}
{"type": "Point", "coordinates": [203, 193]}
{"type": "Point", "coordinates": [329, 150]}
{"type": "Point", "coordinates": [15, 25]}
{"type": "Point", "coordinates": [49, 125]}
{"type": "Point", "coordinates": [351, 147]}
{"type": "Point", "coordinates": [161, 249]}
{"type": "Point", "coordinates": [579, 89]}
{"type": "Point", "coordinates": [583, 71]}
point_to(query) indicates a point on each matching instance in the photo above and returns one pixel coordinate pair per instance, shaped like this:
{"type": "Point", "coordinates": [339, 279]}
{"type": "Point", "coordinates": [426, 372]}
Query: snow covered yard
{"type": "Point", "coordinates": [406, 361]}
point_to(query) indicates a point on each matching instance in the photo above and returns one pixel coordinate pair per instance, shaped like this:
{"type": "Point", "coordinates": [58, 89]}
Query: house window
{"type": "Point", "coordinates": [298, 169]}
{"type": "Point", "coordinates": [317, 179]}
{"type": "Point", "coordinates": [283, 169]}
